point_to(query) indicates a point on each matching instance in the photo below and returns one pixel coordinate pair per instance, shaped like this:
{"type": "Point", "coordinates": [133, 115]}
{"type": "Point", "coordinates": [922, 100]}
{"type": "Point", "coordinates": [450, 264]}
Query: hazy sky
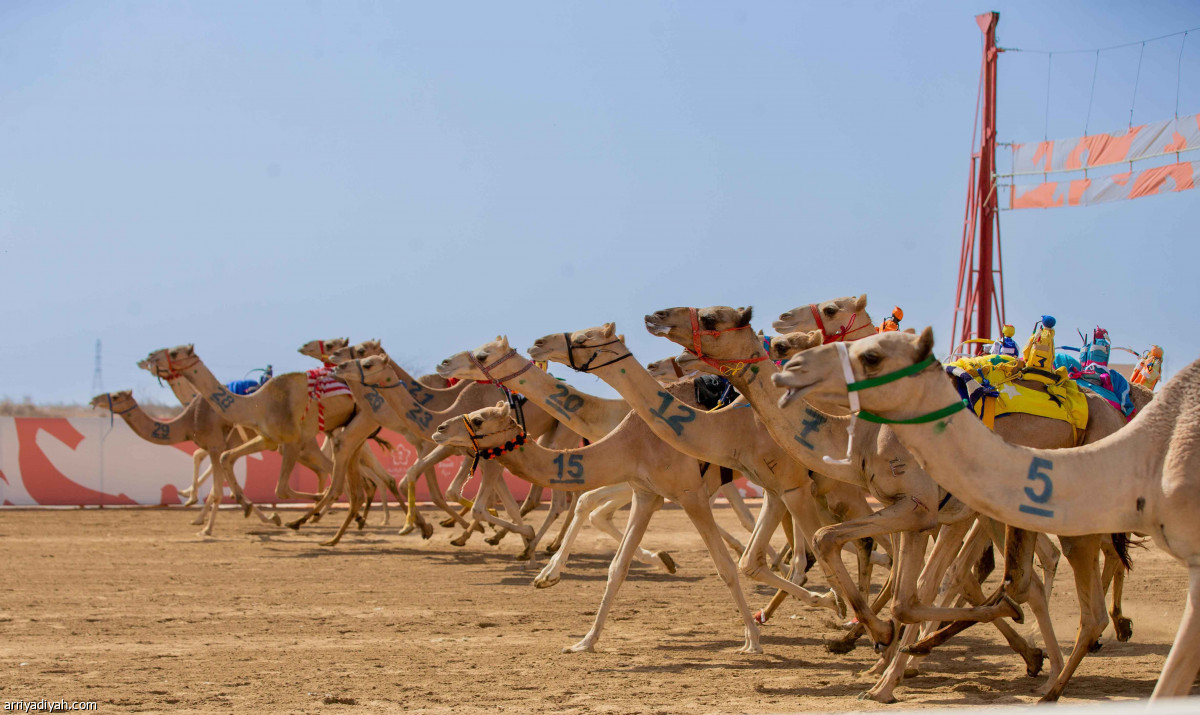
{"type": "Point", "coordinates": [249, 176]}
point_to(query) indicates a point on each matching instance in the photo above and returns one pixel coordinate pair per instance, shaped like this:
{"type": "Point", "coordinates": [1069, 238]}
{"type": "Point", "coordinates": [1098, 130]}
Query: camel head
{"type": "Point", "coordinates": [785, 346]}
{"type": "Point", "coordinates": [724, 333]}
{"type": "Point", "coordinates": [582, 349]}
{"type": "Point", "coordinates": [365, 349]}
{"type": "Point", "coordinates": [834, 315]}
{"type": "Point", "coordinates": [371, 371]}
{"type": "Point", "coordinates": [490, 427]}
{"type": "Point", "coordinates": [665, 371]}
{"type": "Point", "coordinates": [462, 366]}
{"type": "Point", "coordinates": [320, 349]}
{"type": "Point", "coordinates": [168, 361]}
{"type": "Point", "coordinates": [115, 402]}
{"type": "Point", "coordinates": [817, 375]}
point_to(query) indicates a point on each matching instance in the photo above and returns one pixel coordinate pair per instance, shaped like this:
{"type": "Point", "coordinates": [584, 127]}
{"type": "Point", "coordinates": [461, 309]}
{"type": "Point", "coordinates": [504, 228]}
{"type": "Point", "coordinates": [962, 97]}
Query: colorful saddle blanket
{"type": "Point", "coordinates": [1109, 384]}
{"type": "Point", "coordinates": [322, 383]}
{"type": "Point", "coordinates": [988, 383]}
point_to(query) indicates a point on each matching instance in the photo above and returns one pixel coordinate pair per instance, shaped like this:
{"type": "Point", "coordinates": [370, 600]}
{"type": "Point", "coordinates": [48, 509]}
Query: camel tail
{"type": "Point", "coordinates": [387, 446]}
{"type": "Point", "coordinates": [1122, 543]}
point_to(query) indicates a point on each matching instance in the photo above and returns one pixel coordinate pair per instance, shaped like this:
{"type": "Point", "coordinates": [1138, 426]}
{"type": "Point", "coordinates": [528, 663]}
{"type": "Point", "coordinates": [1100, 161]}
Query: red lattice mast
{"type": "Point", "coordinates": [980, 294]}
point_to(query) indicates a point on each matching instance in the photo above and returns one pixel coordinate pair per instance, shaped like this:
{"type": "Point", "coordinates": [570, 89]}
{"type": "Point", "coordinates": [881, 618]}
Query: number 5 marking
{"type": "Point", "coordinates": [1039, 497]}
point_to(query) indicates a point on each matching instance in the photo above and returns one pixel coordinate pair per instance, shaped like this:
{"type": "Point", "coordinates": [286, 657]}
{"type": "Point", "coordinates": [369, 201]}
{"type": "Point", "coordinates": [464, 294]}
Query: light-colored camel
{"type": "Point", "coordinates": [717, 334]}
{"type": "Point", "coordinates": [322, 349]}
{"type": "Point", "coordinates": [729, 437]}
{"type": "Point", "coordinates": [377, 373]}
{"type": "Point", "coordinates": [1143, 479]}
{"type": "Point", "coordinates": [434, 399]}
{"type": "Point", "coordinates": [625, 454]}
{"type": "Point", "coordinates": [198, 424]}
{"type": "Point", "coordinates": [591, 417]}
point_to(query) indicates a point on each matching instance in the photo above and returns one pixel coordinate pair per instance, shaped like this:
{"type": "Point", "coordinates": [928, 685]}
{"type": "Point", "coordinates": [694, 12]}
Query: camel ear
{"type": "Point", "coordinates": [609, 330]}
{"type": "Point", "coordinates": [911, 331]}
{"type": "Point", "coordinates": [761, 335]}
{"type": "Point", "coordinates": [501, 404]}
{"type": "Point", "coordinates": [861, 304]}
{"type": "Point", "coordinates": [744, 316]}
{"type": "Point", "coordinates": [804, 341]}
{"type": "Point", "coordinates": [924, 344]}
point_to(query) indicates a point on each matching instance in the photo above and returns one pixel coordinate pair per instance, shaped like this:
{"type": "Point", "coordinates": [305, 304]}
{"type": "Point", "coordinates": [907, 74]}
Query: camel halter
{"type": "Point", "coordinates": [737, 365]}
{"type": "Point", "coordinates": [324, 360]}
{"type": "Point", "coordinates": [362, 377]}
{"type": "Point", "coordinates": [839, 334]}
{"type": "Point", "coordinates": [491, 452]}
{"type": "Point", "coordinates": [587, 365]}
{"type": "Point", "coordinates": [486, 369]}
{"type": "Point", "coordinates": [853, 387]}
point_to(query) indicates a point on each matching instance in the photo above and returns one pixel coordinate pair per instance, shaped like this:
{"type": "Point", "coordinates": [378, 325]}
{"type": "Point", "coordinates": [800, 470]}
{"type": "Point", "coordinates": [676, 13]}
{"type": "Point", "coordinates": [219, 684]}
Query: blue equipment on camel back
{"type": "Point", "coordinates": [247, 386]}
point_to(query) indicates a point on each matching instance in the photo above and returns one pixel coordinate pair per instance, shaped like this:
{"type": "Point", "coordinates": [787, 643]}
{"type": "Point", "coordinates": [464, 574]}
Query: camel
{"type": "Point", "coordinates": [286, 413]}
{"type": "Point", "coordinates": [377, 373]}
{"type": "Point", "coordinates": [721, 336]}
{"type": "Point", "coordinates": [434, 399]}
{"type": "Point", "coordinates": [1143, 479]}
{"type": "Point", "coordinates": [624, 454]}
{"type": "Point", "coordinates": [322, 349]}
{"type": "Point", "coordinates": [197, 424]}
{"type": "Point", "coordinates": [591, 417]}
{"type": "Point", "coordinates": [730, 437]}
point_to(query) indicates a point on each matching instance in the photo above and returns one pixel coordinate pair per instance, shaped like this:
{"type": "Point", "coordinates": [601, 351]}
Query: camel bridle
{"type": "Point", "coordinates": [586, 365]}
{"type": "Point", "coordinates": [728, 368]}
{"type": "Point", "coordinates": [487, 369]}
{"type": "Point", "coordinates": [840, 334]}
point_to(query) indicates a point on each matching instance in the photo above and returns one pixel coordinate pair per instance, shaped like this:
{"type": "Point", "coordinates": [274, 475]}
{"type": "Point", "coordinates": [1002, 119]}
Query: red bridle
{"type": "Point", "coordinates": [841, 333]}
{"type": "Point", "coordinates": [717, 363]}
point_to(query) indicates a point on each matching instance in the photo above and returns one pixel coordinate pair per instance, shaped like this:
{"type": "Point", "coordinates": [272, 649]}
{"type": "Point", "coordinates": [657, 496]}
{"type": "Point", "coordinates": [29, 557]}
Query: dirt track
{"type": "Point", "coordinates": [129, 608]}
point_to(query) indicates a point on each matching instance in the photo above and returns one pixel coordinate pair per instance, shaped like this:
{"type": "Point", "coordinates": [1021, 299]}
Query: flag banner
{"type": "Point", "coordinates": [1103, 189]}
{"type": "Point", "coordinates": [1140, 142]}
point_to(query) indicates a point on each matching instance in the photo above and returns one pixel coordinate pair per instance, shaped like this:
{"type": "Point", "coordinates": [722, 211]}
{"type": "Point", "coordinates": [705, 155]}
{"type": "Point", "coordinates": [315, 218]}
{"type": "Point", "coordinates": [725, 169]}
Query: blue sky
{"type": "Point", "coordinates": [249, 176]}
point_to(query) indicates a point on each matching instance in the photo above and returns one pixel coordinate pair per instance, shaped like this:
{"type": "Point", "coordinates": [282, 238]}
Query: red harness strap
{"type": "Point", "coordinates": [841, 333]}
{"type": "Point", "coordinates": [719, 364]}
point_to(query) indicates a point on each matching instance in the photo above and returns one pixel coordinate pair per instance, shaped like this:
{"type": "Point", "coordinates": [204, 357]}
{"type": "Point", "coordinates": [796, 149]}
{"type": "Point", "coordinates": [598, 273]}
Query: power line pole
{"type": "Point", "coordinates": [97, 376]}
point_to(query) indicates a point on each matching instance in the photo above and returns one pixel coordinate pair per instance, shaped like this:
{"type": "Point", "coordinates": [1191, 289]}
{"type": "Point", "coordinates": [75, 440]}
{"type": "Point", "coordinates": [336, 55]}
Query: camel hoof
{"type": "Point", "coordinates": [198, 520]}
{"type": "Point", "coordinates": [917, 649]}
{"type": "Point", "coordinates": [331, 542]}
{"type": "Point", "coordinates": [295, 525]}
{"type": "Point", "coordinates": [1033, 665]}
{"type": "Point", "coordinates": [458, 542]}
{"type": "Point", "coordinates": [760, 617]}
{"type": "Point", "coordinates": [493, 540]}
{"type": "Point", "coordinates": [1095, 646]}
{"type": "Point", "coordinates": [361, 523]}
{"type": "Point", "coordinates": [1050, 697]}
{"type": "Point", "coordinates": [204, 533]}
{"type": "Point", "coordinates": [316, 518]}
{"type": "Point", "coordinates": [751, 649]}
{"type": "Point", "coordinates": [525, 555]}
{"type": "Point", "coordinates": [545, 582]}
{"type": "Point", "coordinates": [446, 523]}
{"type": "Point", "coordinates": [580, 647]}
{"type": "Point", "coordinates": [553, 548]}
{"type": "Point", "coordinates": [408, 529]}
{"type": "Point", "coordinates": [911, 673]}
{"type": "Point", "coordinates": [426, 530]}
{"type": "Point", "coordinates": [668, 562]}
{"type": "Point", "coordinates": [246, 509]}
{"type": "Point", "coordinates": [190, 501]}
{"type": "Point", "coordinates": [1124, 628]}
{"type": "Point", "coordinates": [276, 520]}
{"type": "Point", "coordinates": [477, 526]}
{"type": "Point", "coordinates": [1018, 615]}
{"type": "Point", "coordinates": [840, 645]}
{"type": "Point", "coordinates": [885, 699]}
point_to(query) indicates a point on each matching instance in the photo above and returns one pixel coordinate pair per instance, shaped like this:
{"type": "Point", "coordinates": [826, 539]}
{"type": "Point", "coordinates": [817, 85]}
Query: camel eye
{"type": "Point", "coordinates": [871, 359]}
{"type": "Point", "coordinates": [829, 311]}
{"type": "Point", "coordinates": [478, 421]}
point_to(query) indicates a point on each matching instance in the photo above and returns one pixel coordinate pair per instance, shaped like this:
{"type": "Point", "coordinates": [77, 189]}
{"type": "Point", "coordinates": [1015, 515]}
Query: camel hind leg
{"type": "Point", "coordinates": [1083, 554]}
{"type": "Point", "coordinates": [191, 492]}
{"type": "Point", "coordinates": [1183, 662]}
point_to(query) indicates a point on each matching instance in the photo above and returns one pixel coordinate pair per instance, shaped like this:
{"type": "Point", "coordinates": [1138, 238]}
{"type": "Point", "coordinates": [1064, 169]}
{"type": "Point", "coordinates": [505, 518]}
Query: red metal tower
{"type": "Point", "coordinates": [980, 293]}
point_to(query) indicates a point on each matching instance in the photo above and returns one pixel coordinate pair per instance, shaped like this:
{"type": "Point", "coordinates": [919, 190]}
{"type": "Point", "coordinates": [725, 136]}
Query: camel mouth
{"type": "Point", "coordinates": [656, 328]}
{"type": "Point", "coordinates": [783, 327]}
{"type": "Point", "coordinates": [795, 389]}
{"type": "Point", "coordinates": [443, 370]}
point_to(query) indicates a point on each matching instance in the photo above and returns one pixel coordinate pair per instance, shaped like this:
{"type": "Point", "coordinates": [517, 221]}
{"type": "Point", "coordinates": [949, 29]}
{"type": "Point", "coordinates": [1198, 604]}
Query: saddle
{"type": "Point", "coordinates": [993, 386]}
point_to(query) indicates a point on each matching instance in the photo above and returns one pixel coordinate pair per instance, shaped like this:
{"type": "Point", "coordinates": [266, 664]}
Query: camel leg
{"type": "Point", "coordinates": [552, 572]}
{"type": "Point", "coordinates": [248, 507]}
{"type": "Point", "coordinates": [1083, 554]}
{"type": "Point", "coordinates": [753, 563]}
{"type": "Point", "coordinates": [699, 510]}
{"type": "Point", "coordinates": [558, 504]}
{"type": "Point", "coordinates": [492, 482]}
{"type": "Point", "coordinates": [1048, 556]}
{"type": "Point", "coordinates": [353, 491]}
{"type": "Point", "coordinates": [730, 491]}
{"type": "Point", "coordinates": [644, 505]}
{"type": "Point", "coordinates": [556, 544]}
{"type": "Point", "coordinates": [612, 499]}
{"type": "Point", "coordinates": [1114, 573]}
{"type": "Point", "coordinates": [435, 494]}
{"type": "Point", "coordinates": [1183, 662]}
{"type": "Point", "coordinates": [197, 457]}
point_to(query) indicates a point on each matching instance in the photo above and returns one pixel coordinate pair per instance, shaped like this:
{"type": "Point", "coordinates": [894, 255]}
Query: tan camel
{"type": "Point", "coordinates": [1143, 479]}
{"type": "Point", "coordinates": [433, 399]}
{"type": "Point", "coordinates": [591, 417]}
{"type": "Point", "coordinates": [718, 335]}
{"type": "Point", "coordinates": [730, 437]}
{"type": "Point", "coordinates": [198, 424]}
{"type": "Point", "coordinates": [322, 349]}
{"type": "Point", "coordinates": [654, 474]}
{"type": "Point", "coordinates": [377, 372]}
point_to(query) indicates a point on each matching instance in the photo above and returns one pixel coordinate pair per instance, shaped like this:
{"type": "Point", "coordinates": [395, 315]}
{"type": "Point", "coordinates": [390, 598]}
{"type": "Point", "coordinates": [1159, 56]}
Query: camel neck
{"type": "Point", "coordinates": [589, 416]}
{"type": "Point", "coordinates": [1098, 488]}
{"type": "Point", "coordinates": [184, 392]}
{"type": "Point", "coordinates": [231, 407]}
{"type": "Point", "coordinates": [574, 470]}
{"type": "Point", "coordinates": [172, 431]}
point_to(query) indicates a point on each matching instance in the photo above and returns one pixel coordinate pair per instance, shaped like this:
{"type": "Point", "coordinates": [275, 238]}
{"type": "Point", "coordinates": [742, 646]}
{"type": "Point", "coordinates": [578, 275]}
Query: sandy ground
{"type": "Point", "coordinates": [129, 608]}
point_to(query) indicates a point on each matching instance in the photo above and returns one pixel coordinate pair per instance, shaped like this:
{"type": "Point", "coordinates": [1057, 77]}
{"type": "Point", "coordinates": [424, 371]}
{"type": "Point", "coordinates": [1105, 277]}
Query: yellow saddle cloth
{"type": "Point", "coordinates": [1063, 400]}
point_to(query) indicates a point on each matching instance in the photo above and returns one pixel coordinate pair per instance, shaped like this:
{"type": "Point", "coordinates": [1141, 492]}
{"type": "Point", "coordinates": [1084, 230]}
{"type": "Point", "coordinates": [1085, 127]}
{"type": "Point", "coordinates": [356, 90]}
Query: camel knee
{"type": "Point", "coordinates": [905, 610]}
{"type": "Point", "coordinates": [827, 544]}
